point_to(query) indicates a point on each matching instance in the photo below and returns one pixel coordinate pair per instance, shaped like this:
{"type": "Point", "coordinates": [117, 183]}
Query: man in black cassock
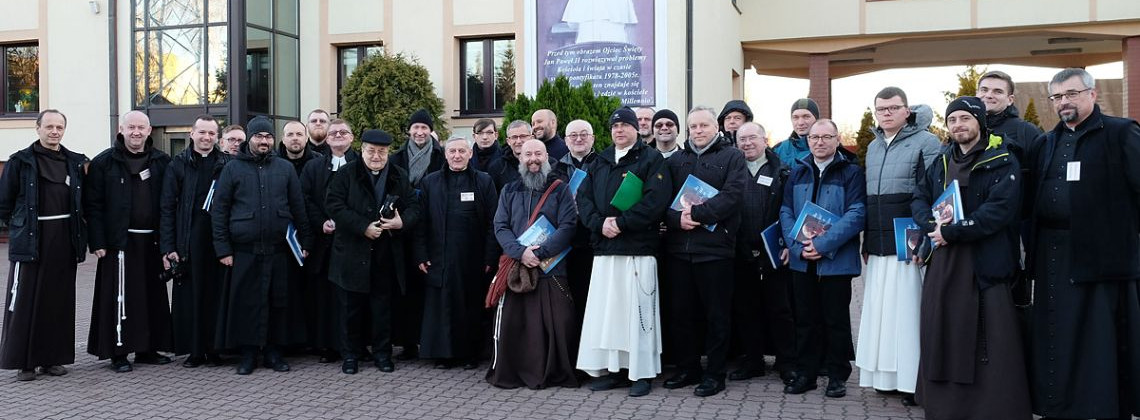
{"type": "Point", "coordinates": [129, 312]}
{"type": "Point", "coordinates": [455, 249]}
{"type": "Point", "coordinates": [187, 239]}
{"type": "Point", "coordinates": [256, 199]}
{"type": "Point", "coordinates": [1084, 189]}
{"type": "Point", "coordinates": [320, 294]}
{"type": "Point", "coordinates": [368, 248]}
{"type": "Point", "coordinates": [46, 241]}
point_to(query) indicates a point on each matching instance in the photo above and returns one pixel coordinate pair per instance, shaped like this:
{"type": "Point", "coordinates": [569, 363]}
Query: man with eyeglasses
{"type": "Point", "coordinates": [823, 263]}
{"type": "Point", "coordinates": [129, 311]}
{"type": "Point", "coordinates": [232, 138]}
{"type": "Point", "coordinates": [486, 149]}
{"type": "Point", "coordinates": [506, 169]}
{"type": "Point", "coordinates": [888, 348]}
{"type": "Point", "coordinates": [1083, 203]}
{"type": "Point", "coordinates": [320, 294]}
{"type": "Point", "coordinates": [645, 123]}
{"type": "Point", "coordinates": [995, 88]}
{"type": "Point", "coordinates": [256, 198]}
{"type": "Point", "coordinates": [318, 127]}
{"type": "Point", "coordinates": [665, 132]}
{"type": "Point", "coordinates": [580, 141]}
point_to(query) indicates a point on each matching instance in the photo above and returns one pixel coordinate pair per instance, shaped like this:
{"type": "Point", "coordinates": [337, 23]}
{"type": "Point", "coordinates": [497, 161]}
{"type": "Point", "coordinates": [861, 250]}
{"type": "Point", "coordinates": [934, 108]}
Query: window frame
{"type": "Point", "coordinates": [4, 113]}
{"type": "Point", "coordinates": [341, 76]}
{"type": "Point", "coordinates": [488, 109]}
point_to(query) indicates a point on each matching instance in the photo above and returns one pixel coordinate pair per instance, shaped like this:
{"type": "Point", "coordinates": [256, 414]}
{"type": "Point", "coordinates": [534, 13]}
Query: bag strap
{"type": "Point", "coordinates": [541, 201]}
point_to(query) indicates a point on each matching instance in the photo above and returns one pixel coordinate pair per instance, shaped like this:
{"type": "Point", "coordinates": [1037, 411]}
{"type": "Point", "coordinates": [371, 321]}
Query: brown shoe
{"type": "Point", "coordinates": [53, 370]}
{"type": "Point", "coordinates": [26, 375]}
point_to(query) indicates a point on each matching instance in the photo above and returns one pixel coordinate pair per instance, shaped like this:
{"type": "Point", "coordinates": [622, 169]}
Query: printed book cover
{"type": "Point", "coordinates": [908, 238]}
{"type": "Point", "coordinates": [948, 207]}
{"type": "Point", "coordinates": [694, 192]}
{"type": "Point", "coordinates": [813, 221]}
{"type": "Point", "coordinates": [773, 243]}
{"type": "Point", "coordinates": [294, 245]}
{"type": "Point", "coordinates": [537, 234]}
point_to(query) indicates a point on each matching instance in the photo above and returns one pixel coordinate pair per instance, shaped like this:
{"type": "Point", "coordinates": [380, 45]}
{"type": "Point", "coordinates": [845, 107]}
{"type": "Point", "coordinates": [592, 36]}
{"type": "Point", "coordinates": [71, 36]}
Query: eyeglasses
{"type": "Point", "coordinates": [1070, 95]}
{"type": "Point", "coordinates": [888, 109]}
{"type": "Point", "coordinates": [818, 137]}
{"type": "Point", "coordinates": [487, 133]}
{"type": "Point", "coordinates": [340, 133]}
{"type": "Point", "coordinates": [576, 136]}
{"type": "Point", "coordinates": [520, 137]}
{"type": "Point", "coordinates": [664, 124]}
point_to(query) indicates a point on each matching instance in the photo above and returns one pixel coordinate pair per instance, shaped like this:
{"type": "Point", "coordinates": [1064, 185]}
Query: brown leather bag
{"type": "Point", "coordinates": [508, 265]}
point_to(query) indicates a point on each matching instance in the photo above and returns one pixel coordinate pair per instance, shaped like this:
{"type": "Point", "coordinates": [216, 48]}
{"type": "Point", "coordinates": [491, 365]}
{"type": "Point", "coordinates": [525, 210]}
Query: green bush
{"type": "Point", "coordinates": [383, 93]}
{"type": "Point", "coordinates": [569, 104]}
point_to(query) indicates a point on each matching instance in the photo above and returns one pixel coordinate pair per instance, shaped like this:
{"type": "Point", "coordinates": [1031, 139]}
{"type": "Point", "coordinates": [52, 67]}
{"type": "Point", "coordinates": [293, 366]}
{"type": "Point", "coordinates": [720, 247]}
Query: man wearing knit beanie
{"type": "Point", "coordinates": [666, 128]}
{"type": "Point", "coordinates": [804, 113]}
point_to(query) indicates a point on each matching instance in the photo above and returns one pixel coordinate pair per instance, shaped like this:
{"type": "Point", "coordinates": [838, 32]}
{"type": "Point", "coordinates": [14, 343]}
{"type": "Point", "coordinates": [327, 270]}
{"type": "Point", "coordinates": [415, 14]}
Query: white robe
{"type": "Point", "coordinates": [622, 325]}
{"type": "Point", "coordinates": [888, 347]}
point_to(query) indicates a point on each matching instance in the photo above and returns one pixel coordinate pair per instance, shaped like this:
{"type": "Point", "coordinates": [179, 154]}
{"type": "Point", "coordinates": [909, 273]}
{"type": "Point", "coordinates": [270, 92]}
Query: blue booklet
{"type": "Point", "coordinates": [537, 234]}
{"type": "Point", "coordinates": [773, 243]}
{"type": "Point", "coordinates": [294, 245]}
{"type": "Point", "coordinates": [908, 238]}
{"type": "Point", "coordinates": [813, 221]}
{"type": "Point", "coordinates": [948, 207]}
{"type": "Point", "coordinates": [694, 192]}
{"type": "Point", "coordinates": [576, 179]}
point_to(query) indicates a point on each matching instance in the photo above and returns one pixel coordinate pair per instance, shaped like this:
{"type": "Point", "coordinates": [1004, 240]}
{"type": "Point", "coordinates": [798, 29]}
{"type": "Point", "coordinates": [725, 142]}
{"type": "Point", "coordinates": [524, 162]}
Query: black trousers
{"type": "Point", "coordinates": [762, 320]}
{"type": "Point", "coordinates": [823, 324]}
{"type": "Point", "coordinates": [373, 308]}
{"type": "Point", "coordinates": [701, 290]}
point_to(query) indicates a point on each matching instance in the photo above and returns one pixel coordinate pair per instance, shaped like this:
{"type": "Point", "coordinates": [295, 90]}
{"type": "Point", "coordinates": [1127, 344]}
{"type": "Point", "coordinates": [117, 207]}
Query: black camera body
{"type": "Point", "coordinates": [176, 271]}
{"type": "Point", "coordinates": [388, 208]}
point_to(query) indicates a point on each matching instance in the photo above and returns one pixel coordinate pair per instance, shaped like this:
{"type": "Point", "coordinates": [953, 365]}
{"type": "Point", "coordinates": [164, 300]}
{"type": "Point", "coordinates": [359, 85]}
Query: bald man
{"type": "Point", "coordinates": [545, 126]}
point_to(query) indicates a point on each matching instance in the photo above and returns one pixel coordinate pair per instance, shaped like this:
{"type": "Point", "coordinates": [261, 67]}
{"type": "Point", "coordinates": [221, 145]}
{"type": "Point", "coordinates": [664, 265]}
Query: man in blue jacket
{"type": "Point", "coordinates": [823, 263]}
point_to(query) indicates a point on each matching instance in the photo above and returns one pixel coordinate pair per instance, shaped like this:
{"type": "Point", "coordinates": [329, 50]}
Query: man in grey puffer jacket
{"type": "Point", "coordinates": [887, 351]}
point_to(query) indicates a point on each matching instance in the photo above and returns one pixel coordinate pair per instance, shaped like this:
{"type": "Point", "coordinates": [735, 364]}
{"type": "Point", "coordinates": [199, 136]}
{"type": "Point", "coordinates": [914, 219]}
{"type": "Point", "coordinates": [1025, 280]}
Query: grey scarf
{"type": "Point", "coordinates": [418, 160]}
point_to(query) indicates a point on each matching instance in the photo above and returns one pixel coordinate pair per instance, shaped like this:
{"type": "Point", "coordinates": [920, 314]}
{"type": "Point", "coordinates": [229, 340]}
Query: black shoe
{"type": "Point", "coordinates": [908, 401]}
{"type": "Point", "coordinates": [682, 380]}
{"type": "Point", "coordinates": [275, 362]}
{"type": "Point", "coordinates": [745, 374]}
{"type": "Point", "coordinates": [611, 381]}
{"type": "Point", "coordinates": [444, 364]}
{"type": "Point", "coordinates": [152, 358]}
{"type": "Point", "coordinates": [120, 364]}
{"type": "Point", "coordinates": [640, 388]}
{"type": "Point", "coordinates": [53, 370]}
{"type": "Point", "coordinates": [191, 361]}
{"type": "Point", "coordinates": [328, 356]}
{"type": "Point", "coordinates": [471, 364]}
{"type": "Point", "coordinates": [349, 367]}
{"type": "Point", "coordinates": [385, 364]}
{"type": "Point", "coordinates": [214, 359]}
{"type": "Point", "coordinates": [802, 384]}
{"type": "Point", "coordinates": [709, 386]}
{"type": "Point", "coordinates": [26, 375]}
{"type": "Point", "coordinates": [788, 376]}
{"type": "Point", "coordinates": [247, 365]}
{"type": "Point", "coordinates": [836, 388]}
{"type": "Point", "coordinates": [409, 353]}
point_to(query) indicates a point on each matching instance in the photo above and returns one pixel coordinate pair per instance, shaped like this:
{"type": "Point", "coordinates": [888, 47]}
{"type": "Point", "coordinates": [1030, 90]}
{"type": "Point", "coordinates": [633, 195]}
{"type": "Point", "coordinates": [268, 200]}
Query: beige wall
{"type": "Point", "coordinates": [716, 54]}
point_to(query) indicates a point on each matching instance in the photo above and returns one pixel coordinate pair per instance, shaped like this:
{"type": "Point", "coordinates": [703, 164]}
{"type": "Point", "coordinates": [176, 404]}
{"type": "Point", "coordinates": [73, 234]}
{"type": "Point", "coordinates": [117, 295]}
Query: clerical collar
{"type": "Point", "coordinates": [337, 162]}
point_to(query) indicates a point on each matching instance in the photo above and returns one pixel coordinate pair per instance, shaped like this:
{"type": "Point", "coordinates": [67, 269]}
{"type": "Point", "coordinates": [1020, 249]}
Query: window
{"type": "Point", "coordinates": [21, 70]}
{"type": "Point", "coordinates": [487, 79]}
{"type": "Point", "coordinates": [347, 59]}
{"type": "Point", "coordinates": [180, 52]}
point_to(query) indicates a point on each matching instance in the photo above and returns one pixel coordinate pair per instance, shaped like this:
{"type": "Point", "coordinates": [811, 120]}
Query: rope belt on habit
{"type": "Point", "coordinates": [55, 217]}
{"type": "Point", "coordinates": [140, 230]}
{"type": "Point", "coordinates": [15, 286]}
{"type": "Point", "coordinates": [122, 302]}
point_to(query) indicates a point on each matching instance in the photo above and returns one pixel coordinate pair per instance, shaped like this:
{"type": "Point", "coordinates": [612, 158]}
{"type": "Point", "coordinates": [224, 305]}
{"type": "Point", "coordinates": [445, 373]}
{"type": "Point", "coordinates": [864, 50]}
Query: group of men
{"type": "Point", "coordinates": [315, 245]}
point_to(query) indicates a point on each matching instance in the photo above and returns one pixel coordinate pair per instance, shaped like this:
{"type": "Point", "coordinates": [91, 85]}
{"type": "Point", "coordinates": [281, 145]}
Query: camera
{"type": "Point", "coordinates": [388, 209]}
{"type": "Point", "coordinates": [176, 271]}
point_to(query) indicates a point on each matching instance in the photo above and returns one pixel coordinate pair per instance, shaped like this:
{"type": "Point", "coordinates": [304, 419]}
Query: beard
{"type": "Point", "coordinates": [534, 180]}
{"type": "Point", "coordinates": [1068, 117]}
{"type": "Point", "coordinates": [318, 135]}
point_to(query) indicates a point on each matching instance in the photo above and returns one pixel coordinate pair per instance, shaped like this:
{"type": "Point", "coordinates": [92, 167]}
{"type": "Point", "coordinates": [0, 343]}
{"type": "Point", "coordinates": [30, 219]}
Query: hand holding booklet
{"type": "Point", "coordinates": [294, 245]}
{"type": "Point", "coordinates": [813, 221]}
{"type": "Point", "coordinates": [948, 207]}
{"type": "Point", "coordinates": [537, 234]}
{"type": "Point", "coordinates": [694, 192]}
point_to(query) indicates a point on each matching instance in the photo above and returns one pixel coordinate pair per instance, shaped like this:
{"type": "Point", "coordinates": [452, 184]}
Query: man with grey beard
{"type": "Point", "coordinates": [532, 329]}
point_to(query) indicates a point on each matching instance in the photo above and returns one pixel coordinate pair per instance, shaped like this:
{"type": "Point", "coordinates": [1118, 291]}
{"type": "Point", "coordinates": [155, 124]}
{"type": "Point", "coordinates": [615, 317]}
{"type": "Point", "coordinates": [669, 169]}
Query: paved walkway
{"type": "Point", "coordinates": [415, 391]}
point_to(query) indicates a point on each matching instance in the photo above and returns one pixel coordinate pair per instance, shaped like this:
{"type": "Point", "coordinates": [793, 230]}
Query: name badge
{"type": "Point", "coordinates": [1073, 171]}
{"type": "Point", "coordinates": [145, 174]}
{"type": "Point", "coordinates": [764, 180]}
{"type": "Point", "coordinates": [466, 196]}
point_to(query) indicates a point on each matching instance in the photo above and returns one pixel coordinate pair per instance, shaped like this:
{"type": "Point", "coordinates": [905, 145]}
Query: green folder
{"type": "Point", "coordinates": [628, 193]}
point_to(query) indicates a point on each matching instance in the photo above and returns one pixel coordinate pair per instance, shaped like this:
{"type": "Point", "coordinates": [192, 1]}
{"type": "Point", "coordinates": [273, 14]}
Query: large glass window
{"type": "Point", "coordinates": [347, 59]}
{"type": "Point", "coordinates": [487, 76]}
{"type": "Point", "coordinates": [180, 50]}
{"type": "Point", "coordinates": [272, 58]}
{"type": "Point", "coordinates": [20, 69]}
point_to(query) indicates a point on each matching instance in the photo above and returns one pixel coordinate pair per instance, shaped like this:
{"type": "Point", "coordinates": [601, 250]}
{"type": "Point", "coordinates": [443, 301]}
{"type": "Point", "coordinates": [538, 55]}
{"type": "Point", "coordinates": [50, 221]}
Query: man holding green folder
{"type": "Point", "coordinates": [621, 202]}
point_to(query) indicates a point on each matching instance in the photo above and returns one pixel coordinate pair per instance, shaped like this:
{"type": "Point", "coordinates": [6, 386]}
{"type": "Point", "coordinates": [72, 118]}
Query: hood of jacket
{"type": "Point", "coordinates": [734, 105]}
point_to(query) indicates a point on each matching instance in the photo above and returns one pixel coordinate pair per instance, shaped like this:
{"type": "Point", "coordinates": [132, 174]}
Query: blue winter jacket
{"type": "Point", "coordinates": [843, 192]}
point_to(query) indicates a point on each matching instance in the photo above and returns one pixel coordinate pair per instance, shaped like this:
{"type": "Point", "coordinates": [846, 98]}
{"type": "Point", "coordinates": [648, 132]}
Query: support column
{"type": "Point", "coordinates": [819, 82]}
{"type": "Point", "coordinates": [1130, 54]}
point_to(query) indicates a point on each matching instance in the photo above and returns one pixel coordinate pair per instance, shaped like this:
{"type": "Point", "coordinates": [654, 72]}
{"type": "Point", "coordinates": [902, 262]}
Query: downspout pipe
{"type": "Point", "coordinates": [688, 55]}
{"type": "Point", "coordinates": [113, 66]}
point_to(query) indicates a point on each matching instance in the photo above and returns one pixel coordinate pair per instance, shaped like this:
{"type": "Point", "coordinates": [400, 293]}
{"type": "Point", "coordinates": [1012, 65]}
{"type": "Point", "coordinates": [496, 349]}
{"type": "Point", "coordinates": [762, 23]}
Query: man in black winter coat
{"type": "Point", "coordinates": [129, 312]}
{"type": "Point", "coordinates": [995, 89]}
{"type": "Point", "coordinates": [186, 238]}
{"type": "Point", "coordinates": [257, 198]}
{"type": "Point", "coordinates": [701, 242]}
